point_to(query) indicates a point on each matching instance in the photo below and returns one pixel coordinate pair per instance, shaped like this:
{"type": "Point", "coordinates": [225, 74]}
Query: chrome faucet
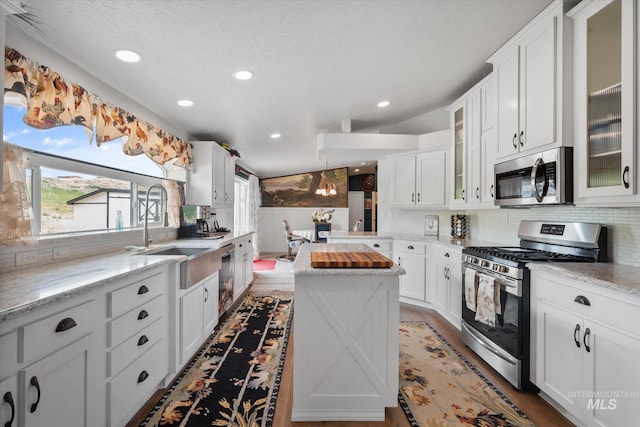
{"type": "Point", "coordinates": [145, 233]}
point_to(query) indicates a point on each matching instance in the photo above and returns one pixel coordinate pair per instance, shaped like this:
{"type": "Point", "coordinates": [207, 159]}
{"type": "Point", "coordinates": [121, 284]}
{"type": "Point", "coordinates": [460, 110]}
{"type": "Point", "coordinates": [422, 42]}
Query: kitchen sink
{"type": "Point", "coordinates": [200, 263]}
{"type": "Point", "coordinates": [178, 251]}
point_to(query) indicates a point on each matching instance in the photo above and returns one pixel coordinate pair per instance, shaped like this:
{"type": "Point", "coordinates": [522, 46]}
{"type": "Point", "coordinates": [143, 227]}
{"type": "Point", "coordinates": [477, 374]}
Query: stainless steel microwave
{"type": "Point", "coordinates": [544, 178]}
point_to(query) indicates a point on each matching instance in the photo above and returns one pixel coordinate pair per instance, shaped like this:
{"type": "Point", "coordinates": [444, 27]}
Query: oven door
{"type": "Point", "coordinates": [541, 178]}
{"type": "Point", "coordinates": [508, 330]}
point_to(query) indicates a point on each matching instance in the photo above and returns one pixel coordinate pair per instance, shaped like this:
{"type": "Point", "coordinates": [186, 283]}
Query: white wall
{"type": "Point", "coordinates": [271, 233]}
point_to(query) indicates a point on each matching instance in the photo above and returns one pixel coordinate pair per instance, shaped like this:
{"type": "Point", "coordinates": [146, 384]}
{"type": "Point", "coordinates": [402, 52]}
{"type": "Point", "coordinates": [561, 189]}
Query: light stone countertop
{"type": "Point", "coordinates": [618, 277]}
{"type": "Point", "coordinates": [302, 264]}
{"type": "Point", "coordinates": [25, 290]}
{"type": "Point", "coordinates": [447, 240]}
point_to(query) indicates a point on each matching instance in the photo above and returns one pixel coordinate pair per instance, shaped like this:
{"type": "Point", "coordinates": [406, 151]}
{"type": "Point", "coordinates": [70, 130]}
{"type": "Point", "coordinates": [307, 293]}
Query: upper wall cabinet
{"type": "Point", "coordinates": [533, 72]}
{"type": "Point", "coordinates": [473, 119]}
{"type": "Point", "coordinates": [212, 182]}
{"type": "Point", "coordinates": [605, 88]}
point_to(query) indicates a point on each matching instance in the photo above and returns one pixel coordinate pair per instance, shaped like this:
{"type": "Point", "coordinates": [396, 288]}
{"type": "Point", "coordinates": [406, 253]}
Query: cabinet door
{"type": "Point", "coordinates": [9, 404]}
{"type": "Point", "coordinates": [489, 104]}
{"type": "Point", "coordinates": [248, 265]}
{"type": "Point", "coordinates": [559, 350]}
{"type": "Point", "coordinates": [455, 294]}
{"type": "Point", "coordinates": [459, 124]}
{"type": "Point", "coordinates": [507, 74]}
{"type": "Point", "coordinates": [412, 284]}
{"type": "Point", "coordinates": [431, 172]}
{"type": "Point", "coordinates": [218, 189]}
{"type": "Point", "coordinates": [440, 277]}
{"type": "Point", "coordinates": [473, 153]}
{"type": "Point", "coordinates": [191, 315]}
{"type": "Point", "coordinates": [210, 303]}
{"type": "Point", "coordinates": [604, 95]}
{"type": "Point", "coordinates": [612, 363]}
{"type": "Point", "coordinates": [404, 181]}
{"type": "Point", "coordinates": [488, 148]}
{"type": "Point", "coordinates": [538, 83]}
{"type": "Point", "coordinates": [229, 180]}
{"type": "Point", "coordinates": [60, 390]}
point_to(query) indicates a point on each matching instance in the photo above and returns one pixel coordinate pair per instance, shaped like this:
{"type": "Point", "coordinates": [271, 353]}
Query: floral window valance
{"type": "Point", "coordinates": [52, 101]}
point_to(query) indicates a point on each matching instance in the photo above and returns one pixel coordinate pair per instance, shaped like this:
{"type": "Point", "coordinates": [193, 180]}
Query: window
{"type": "Point", "coordinates": [75, 187]}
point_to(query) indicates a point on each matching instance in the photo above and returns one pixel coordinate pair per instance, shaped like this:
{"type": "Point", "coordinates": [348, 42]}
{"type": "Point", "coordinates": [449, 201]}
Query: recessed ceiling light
{"type": "Point", "coordinates": [383, 104]}
{"type": "Point", "coordinates": [126, 55]}
{"type": "Point", "coordinates": [243, 75]}
{"type": "Point", "coordinates": [185, 103]}
{"type": "Point", "coordinates": [275, 135]}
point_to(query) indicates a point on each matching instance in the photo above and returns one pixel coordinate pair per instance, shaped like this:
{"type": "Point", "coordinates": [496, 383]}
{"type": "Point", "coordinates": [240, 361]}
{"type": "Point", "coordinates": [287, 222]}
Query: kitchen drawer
{"type": "Point", "coordinates": [409, 247]}
{"type": "Point", "coordinates": [135, 293]}
{"type": "Point", "coordinates": [380, 245]}
{"type": "Point", "coordinates": [8, 354]}
{"type": "Point", "coordinates": [46, 335]}
{"type": "Point", "coordinates": [446, 252]}
{"type": "Point", "coordinates": [130, 388]}
{"type": "Point", "coordinates": [132, 348]}
{"type": "Point", "coordinates": [132, 322]}
{"type": "Point", "coordinates": [562, 292]}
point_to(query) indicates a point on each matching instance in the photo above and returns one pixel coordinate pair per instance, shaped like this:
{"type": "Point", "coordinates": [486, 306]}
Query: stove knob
{"type": "Point", "coordinates": [503, 269]}
{"type": "Point", "coordinates": [484, 264]}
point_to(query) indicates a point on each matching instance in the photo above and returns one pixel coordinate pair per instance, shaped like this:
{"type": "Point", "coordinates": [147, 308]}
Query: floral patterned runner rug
{"type": "Point", "coordinates": [439, 387]}
{"type": "Point", "coordinates": [234, 379]}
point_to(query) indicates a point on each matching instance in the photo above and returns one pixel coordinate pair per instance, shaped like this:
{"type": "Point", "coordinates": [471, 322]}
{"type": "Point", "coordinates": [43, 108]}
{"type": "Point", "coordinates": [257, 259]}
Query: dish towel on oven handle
{"type": "Point", "coordinates": [488, 300]}
{"type": "Point", "coordinates": [470, 288]}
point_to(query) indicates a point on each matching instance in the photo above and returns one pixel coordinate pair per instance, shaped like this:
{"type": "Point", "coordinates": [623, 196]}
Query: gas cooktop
{"type": "Point", "coordinates": [517, 254]}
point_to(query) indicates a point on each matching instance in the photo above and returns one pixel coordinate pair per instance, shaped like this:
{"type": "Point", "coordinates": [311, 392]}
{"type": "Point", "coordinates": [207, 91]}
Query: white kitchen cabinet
{"type": "Point", "coordinates": [474, 118]}
{"type": "Point", "coordinates": [198, 315]}
{"type": "Point", "coordinates": [411, 255]}
{"type": "Point", "coordinates": [60, 389]}
{"type": "Point", "coordinates": [445, 271]}
{"type": "Point", "coordinates": [383, 245]}
{"type": "Point", "coordinates": [585, 349]}
{"type": "Point", "coordinates": [212, 181]}
{"type": "Point", "coordinates": [244, 265]}
{"type": "Point", "coordinates": [459, 112]}
{"type": "Point", "coordinates": [533, 80]}
{"type": "Point", "coordinates": [419, 180]}
{"type": "Point", "coordinates": [9, 414]}
{"type": "Point", "coordinates": [606, 157]}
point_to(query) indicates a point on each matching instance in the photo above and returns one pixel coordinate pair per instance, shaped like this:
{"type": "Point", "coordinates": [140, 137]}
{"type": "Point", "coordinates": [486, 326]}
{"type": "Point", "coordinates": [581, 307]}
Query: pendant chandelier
{"type": "Point", "coordinates": [327, 189]}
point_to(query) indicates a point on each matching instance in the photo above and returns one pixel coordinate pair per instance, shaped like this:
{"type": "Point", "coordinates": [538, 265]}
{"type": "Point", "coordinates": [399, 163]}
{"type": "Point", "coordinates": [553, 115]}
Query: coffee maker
{"type": "Point", "coordinates": [203, 213]}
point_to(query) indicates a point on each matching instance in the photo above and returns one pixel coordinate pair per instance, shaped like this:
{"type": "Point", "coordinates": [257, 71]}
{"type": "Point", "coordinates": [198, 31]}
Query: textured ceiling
{"type": "Point", "coordinates": [315, 63]}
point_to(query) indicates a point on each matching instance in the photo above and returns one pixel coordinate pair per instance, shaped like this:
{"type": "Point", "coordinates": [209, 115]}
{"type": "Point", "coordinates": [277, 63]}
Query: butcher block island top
{"type": "Point", "coordinates": [349, 260]}
{"type": "Point", "coordinates": [345, 346]}
{"type": "Point", "coordinates": [343, 259]}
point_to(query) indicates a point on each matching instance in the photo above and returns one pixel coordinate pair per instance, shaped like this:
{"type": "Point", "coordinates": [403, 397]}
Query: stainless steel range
{"type": "Point", "coordinates": [495, 306]}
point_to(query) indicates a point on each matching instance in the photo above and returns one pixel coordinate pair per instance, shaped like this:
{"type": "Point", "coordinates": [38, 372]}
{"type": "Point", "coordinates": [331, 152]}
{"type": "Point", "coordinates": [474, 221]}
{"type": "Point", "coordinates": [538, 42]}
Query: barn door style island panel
{"type": "Point", "coordinates": [346, 334]}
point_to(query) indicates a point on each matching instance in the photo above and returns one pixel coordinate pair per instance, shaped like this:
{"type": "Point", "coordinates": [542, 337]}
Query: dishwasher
{"type": "Point", "coordinates": [227, 277]}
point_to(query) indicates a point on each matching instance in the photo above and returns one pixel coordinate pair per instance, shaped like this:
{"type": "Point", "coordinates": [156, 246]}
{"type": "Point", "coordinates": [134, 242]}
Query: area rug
{"type": "Point", "coordinates": [264, 264]}
{"type": "Point", "coordinates": [235, 378]}
{"type": "Point", "coordinates": [439, 387]}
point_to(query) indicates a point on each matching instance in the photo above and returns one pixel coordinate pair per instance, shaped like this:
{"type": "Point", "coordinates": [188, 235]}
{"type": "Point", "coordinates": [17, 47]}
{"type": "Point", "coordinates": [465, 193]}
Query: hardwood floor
{"type": "Point", "coordinates": [539, 411]}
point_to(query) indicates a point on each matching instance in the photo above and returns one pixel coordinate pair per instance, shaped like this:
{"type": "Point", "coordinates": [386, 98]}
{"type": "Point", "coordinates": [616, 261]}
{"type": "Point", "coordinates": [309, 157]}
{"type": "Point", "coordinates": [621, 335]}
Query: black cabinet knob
{"type": "Point", "coordinates": [143, 340]}
{"type": "Point", "coordinates": [66, 324]}
{"type": "Point", "coordinates": [143, 376]}
{"type": "Point", "coordinates": [142, 290]}
{"type": "Point", "coordinates": [143, 315]}
{"type": "Point", "coordinates": [581, 299]}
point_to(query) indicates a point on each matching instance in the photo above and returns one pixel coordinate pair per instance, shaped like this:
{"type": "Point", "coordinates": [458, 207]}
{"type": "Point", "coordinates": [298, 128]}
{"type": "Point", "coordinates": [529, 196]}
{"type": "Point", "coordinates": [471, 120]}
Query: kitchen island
{"type": "Point", "coordinates": [346, 323]}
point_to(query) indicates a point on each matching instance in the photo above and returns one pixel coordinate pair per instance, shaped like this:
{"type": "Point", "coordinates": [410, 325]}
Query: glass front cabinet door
{"type": "Point", "coordinates": [458, 116]}
{"type": "Point", "coordinates": [604, 93]}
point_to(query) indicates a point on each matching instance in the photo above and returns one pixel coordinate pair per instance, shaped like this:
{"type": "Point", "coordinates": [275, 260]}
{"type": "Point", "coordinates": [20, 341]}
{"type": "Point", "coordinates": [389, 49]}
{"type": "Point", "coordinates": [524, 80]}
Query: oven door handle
{"type": "Point", "coordinates": [502, 356]}
{"type": "Point", "coordinates": [534, 173]}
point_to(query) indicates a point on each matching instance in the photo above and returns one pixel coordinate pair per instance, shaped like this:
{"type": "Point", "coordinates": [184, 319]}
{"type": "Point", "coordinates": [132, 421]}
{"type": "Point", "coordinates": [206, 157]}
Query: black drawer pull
{"type": "Point", "coordinates": [143, 376]}
{"type": "Point", "coordinates": [587, 332]}
{"type": "Point", "coordinates": [576, 331]}
{"type": "Point", "coordinates": [446, 254]}
{"type": "Point", "coordinates": [410, 247]}
{"type": "Point", "coordinates": [206, 294]}
{"type": "Point", "coordinates": [625, 177]}
{"type": "Point", "coordinates": [34, 382]}
{"type": "Point", "coordinates": [7, 398]}
{"type": "Point", "coordinates": [142, 290]}
{"type": "Point", "coordinates": [375, 245]}
{"type": "Point", "coordinates": [143, 340]}
{"type": "Point", "coordinates": [143, 315]}
{"type": "Point", "coordinates": [66, 324]}
{"type": "Point", "coordinates": [580, 299]}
